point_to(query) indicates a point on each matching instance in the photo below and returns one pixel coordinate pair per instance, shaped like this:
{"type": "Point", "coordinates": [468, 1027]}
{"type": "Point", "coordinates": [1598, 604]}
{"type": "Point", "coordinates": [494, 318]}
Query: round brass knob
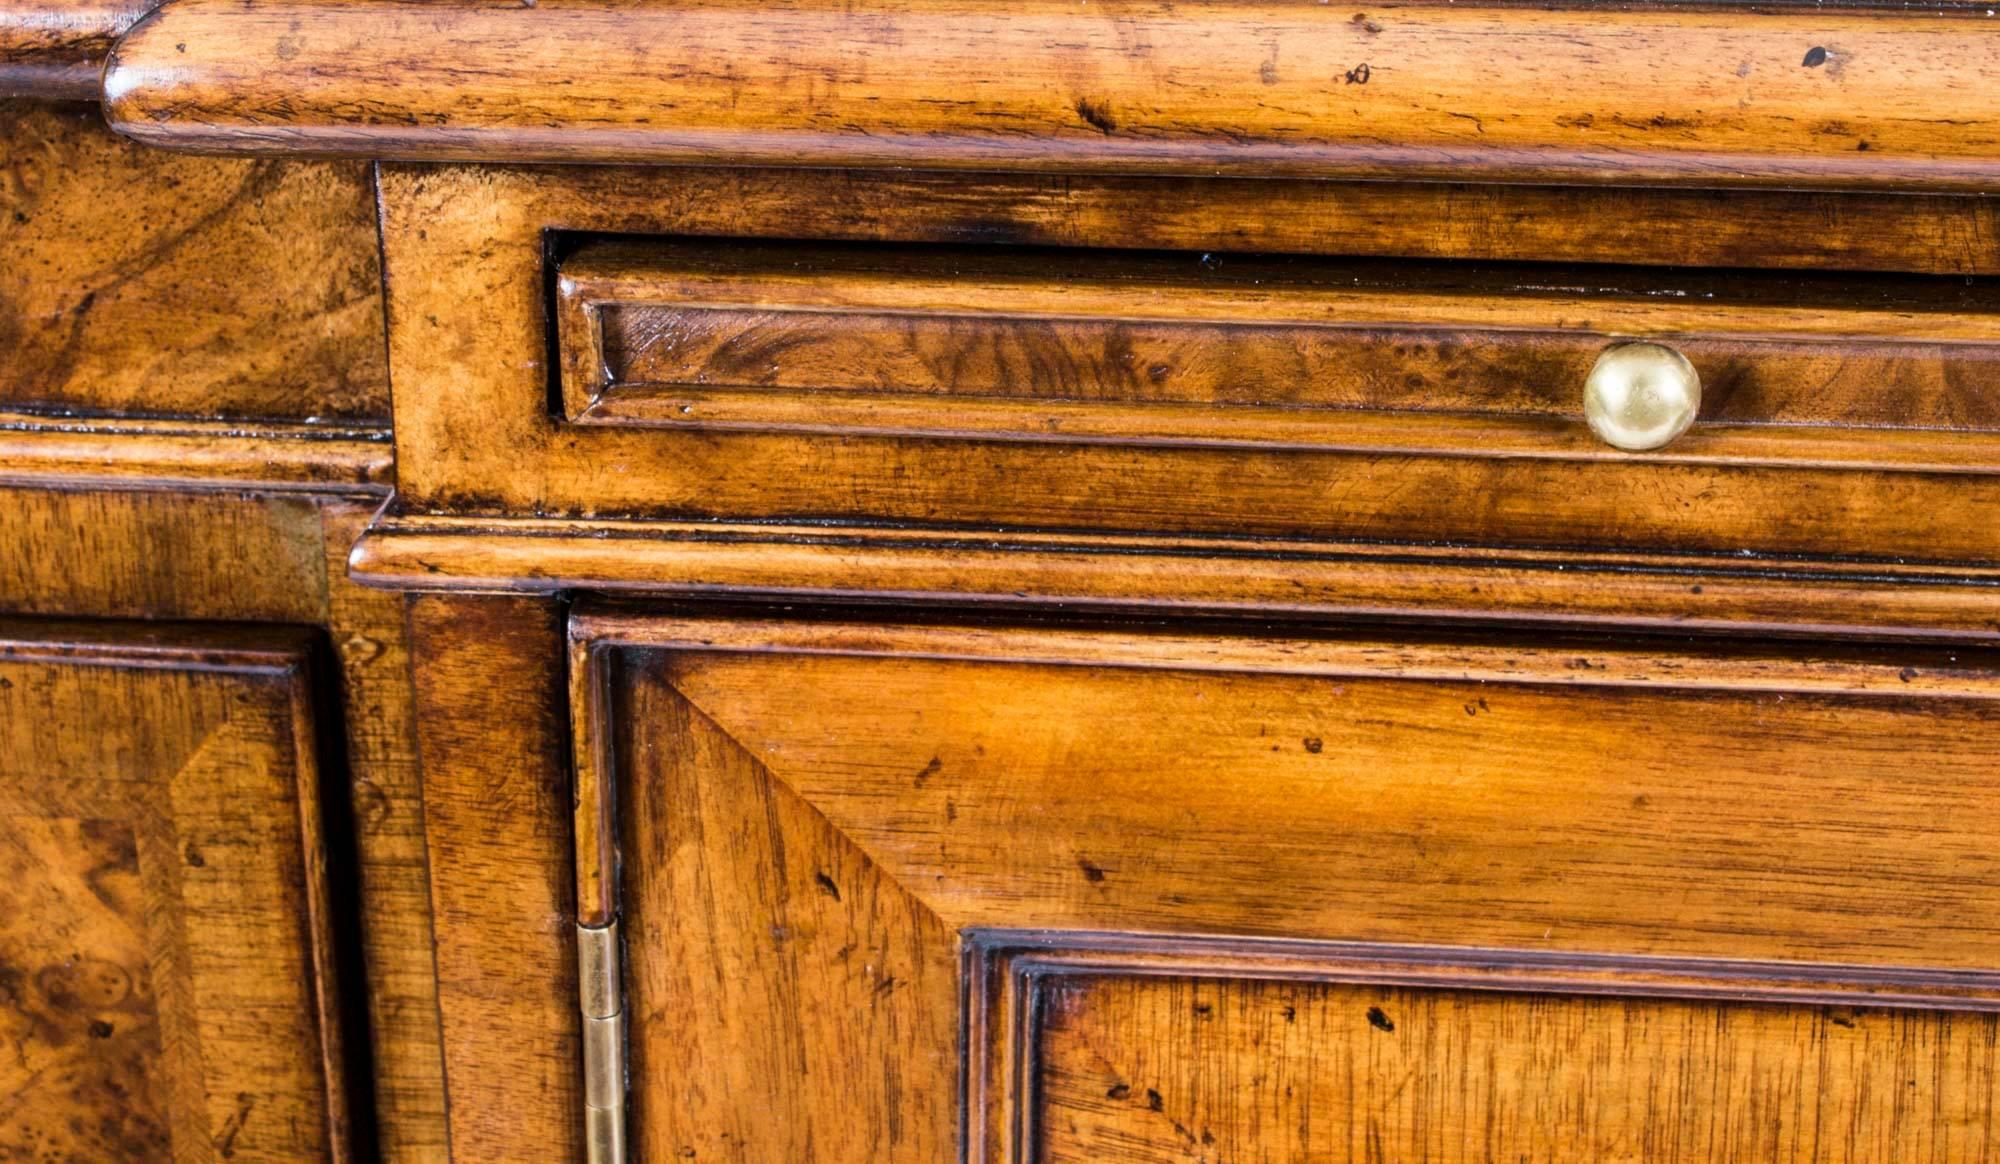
{"type": "Point", "coordinates": [1641, 395]}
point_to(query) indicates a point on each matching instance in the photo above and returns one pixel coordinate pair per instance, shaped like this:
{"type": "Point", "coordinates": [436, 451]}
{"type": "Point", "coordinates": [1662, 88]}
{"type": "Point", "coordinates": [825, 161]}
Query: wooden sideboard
{"type": "Point", "coordinates": [937, 580]}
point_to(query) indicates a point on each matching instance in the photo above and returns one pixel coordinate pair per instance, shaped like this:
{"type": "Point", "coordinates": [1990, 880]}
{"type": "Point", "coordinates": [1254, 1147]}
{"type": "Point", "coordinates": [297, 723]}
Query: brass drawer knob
{"type": "Point", "coordinates": [1641, 395]}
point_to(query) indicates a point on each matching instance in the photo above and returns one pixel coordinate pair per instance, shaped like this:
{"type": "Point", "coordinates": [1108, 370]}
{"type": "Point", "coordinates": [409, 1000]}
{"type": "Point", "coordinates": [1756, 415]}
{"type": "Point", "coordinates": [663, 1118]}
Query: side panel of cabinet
{"type": "Point", "coordinates": [1132, 895]}
{"type": "Point", "coordinates": [166, 979]}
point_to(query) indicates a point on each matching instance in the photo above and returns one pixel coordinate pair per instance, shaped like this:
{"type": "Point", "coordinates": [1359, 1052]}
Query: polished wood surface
{"type": "Point", "coordinates": [55, 49]}
{"type": "Point", "coordinates": [1044, 565]}
{"type": "Point", "coordinates": [471, 248]}
{"type": "Point", "coordinates": [1700, 95]}
{"type": "Point", "coordinates": [195, 427]}
{"type": "Point", "coordinates": [1231, 350]}
{"type": "Point", "coordinates": [114, 551]}
{"type": "Point", "coordinates": [468, 246]}
{"type": "Point", "coordinates": [372, 649]}
{"type": "Point", "coordinates": [1151, 1067]}
{"type": "Point", "coordinates": [1181, 576]}
{"type": "Point", "coordinates": [138, 283]}
{"type": "Point", "coordinates": [1845, 231]}
{"type": "Point", "coordinates": [310, 458]}
{"type": "Point", "coordinates": [167, 943]}
{"type": "Point", "coordinates": [732, 872]}
{"type": "Point", "coordinates": [117, 552]}
{"type": "Point", "coordinates": [813, 814]}
{"type": "Point", "coordinates": [497, 810]}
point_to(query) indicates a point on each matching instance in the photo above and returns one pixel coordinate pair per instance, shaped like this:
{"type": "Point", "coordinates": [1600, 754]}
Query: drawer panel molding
{"type": "Point", "coordinates": [1092, 346]}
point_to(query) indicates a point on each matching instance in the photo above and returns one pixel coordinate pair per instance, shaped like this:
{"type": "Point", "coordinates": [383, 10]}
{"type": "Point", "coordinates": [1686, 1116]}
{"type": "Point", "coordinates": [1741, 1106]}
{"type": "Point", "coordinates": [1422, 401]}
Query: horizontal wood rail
{"type": "Point", "coordinates": [270, 456]}
{"type": "Point", "coordinates": [1695, 95]}
{"type": "Point", "coordinates": [1260, 578]}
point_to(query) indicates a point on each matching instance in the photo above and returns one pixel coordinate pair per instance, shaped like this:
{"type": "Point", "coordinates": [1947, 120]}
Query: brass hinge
{"type": "Point", "coordinates": [601, 987]}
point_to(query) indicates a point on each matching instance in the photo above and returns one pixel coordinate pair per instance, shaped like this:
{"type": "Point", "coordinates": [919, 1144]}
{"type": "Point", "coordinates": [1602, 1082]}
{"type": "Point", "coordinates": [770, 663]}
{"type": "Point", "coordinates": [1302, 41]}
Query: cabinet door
{"type": "Point", "coordinates": [165, 986]}
{"type": "Point", "coordinates": [902, 893]}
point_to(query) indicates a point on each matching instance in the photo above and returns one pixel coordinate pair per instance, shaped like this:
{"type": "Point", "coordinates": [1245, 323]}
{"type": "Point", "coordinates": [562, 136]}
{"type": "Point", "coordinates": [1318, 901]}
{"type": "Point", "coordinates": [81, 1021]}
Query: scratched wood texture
{"type": "Point", "coordinates": [1148, 1070]}
{"type": "Point", "coordinates": [1701, 95]}
{"type": "Point", "coordinates": [134, 282]}
{"type": "Point", "coordinates": [811, 812]}
{"type": "Point", "coordinates": [164, 933]}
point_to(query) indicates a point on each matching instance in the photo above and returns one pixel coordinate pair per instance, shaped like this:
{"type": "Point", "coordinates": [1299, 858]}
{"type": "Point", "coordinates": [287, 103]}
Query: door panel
{"type": "Point", "coordinates": [804, 960]}
{"type": "Point", "coordinates": [165, 969]}
{"type": "Point", "coordinates": [1148, 1068]}
{"type": "Point", "coordinates": [856, 857]}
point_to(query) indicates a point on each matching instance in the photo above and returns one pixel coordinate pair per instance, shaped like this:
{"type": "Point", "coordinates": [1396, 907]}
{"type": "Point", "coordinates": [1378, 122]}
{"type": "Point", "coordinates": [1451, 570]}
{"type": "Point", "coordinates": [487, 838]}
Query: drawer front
{"type": "Point", "coordinates": [166, 990]}
{"type": "Point", "coordinates": [1122, 891]}
{"type": "Point", "coordinates": [579, 365]}
{"type": "Point", "coordinates": [1219, 350]}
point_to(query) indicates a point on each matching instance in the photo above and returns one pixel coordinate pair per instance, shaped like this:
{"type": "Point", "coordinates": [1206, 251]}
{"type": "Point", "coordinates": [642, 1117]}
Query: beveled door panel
{"type": "Point", "coordinates": [894, 893]}
{"type": "Point", "coordinates": [1179, 1050]}
{"type": "Point", "coordinates": [166, 986]}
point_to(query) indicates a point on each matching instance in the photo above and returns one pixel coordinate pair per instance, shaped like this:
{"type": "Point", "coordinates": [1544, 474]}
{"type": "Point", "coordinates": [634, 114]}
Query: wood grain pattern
{"type": "Point", "coordinates": [1183, 576]}
{"type": "Point", "coordinates": [123, 553]}
{"type": "Point", "coordinates": [371, 646]}
{"type": "Point", "coordinates": [1356, 1051]}
{"type": "Point", "coordinates": [138, 283]}
{"type": "Point", "coordinates": [1438, 823]}
{"type": "Point", "coordinates": [1154, 757]}
{"type": "Point", "coordinates": [185, 764]}
{"type": "Point", "coordinates": [274, 458]}
{"type": "Point", "coordinates": [54, 50]}
{"type": "Point", "coordinates": [476, 435]}
{"type": "Point", "coordinates": [1095, 346]}
{"type": "Point", "coordinates": [72, 952]}
{"type": "Point", "coordinates": [1698, 95]}
{"type": "Point", "coordinates": [1750, 850]}
{"type": "Point", "coordinates": [161, 555]}
{"type": "Point", "coordinates": [1655, 226]}
{"type": "Point", "coordinates": [809, 820]}
{"type": "Point", "coordinates": [594, 816]}
{"type": "Point", "coordinates": [772, 961]}
{"type": "Point", "coordinates": [1152, 1067]}
{"type": "Point", "coordinates": [497, 813]}
{"type": "Point", "coordinates": [1268, 500]}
